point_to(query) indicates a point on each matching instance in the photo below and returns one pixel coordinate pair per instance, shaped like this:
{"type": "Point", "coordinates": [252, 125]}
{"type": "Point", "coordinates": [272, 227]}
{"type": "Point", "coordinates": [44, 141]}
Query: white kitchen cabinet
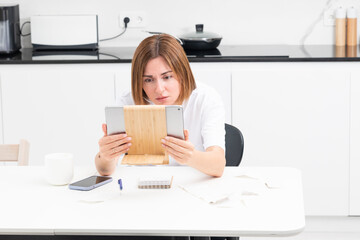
{"type": "Point", "coordinates": [123, 80]}
{"type": "Point", "coordinates": [298, 117]}
{"type": "Point", "coordinates": [1, 116]}
{"type": "Point", "coordinates": [57, 110]}
{"type": "Point", "coordinates": [219, 77]}
{"type": "Point", "coordinates": [354, 208]}
{"type": "Point", "coordinates": [1, 123]}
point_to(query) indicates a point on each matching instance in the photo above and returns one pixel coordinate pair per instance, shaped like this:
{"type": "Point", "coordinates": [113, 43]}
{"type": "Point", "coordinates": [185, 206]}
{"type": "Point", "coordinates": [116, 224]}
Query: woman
{"type": "Point", "coordinates": [161, 75]}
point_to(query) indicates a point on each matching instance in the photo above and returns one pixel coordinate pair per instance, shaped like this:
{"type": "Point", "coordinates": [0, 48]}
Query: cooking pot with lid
{"type": "Point", "coordinates": [200, 40]}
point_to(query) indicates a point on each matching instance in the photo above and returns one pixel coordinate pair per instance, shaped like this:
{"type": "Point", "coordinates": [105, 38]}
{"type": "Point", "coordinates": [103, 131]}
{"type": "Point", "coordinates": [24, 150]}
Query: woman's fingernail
{"type": "Point", "coordinates": [129, 144]}
{"type": "Point", "coordinates": [163, 141]}
{"type": "Point", "coordinates": [129, 138]}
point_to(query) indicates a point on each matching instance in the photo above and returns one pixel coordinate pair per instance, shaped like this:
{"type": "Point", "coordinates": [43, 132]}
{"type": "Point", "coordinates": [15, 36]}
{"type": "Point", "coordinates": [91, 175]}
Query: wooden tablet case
{"type": "Point", "coordinates": [146, 125]}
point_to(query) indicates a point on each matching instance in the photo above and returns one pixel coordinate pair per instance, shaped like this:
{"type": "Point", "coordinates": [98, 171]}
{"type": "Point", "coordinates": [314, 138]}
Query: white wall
{"type": "Point", "coordinates": [238, 21]}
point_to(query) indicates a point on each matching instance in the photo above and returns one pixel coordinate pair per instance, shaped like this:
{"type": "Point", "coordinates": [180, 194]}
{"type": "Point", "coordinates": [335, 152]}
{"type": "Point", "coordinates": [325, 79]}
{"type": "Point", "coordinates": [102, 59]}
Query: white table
{"type": "Point", "coordinates": [30, 206]}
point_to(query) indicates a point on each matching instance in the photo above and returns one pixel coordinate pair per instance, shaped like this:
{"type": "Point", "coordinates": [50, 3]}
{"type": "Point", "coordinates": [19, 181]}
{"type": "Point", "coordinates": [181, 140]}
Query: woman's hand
{"type": "Point", "coordinates": [113, 146]}
{"type": "Point", "coordinates": [181, 150]}
{"type": "Point", "coordinates": [211, 162]}
{"type": "Point", "coordinates": [110, 148]}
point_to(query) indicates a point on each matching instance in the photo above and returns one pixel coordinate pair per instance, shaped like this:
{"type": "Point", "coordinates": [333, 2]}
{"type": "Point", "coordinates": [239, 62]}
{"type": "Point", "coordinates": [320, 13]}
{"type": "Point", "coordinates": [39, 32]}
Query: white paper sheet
{"type": "Point", "coordinates": [226, 191]}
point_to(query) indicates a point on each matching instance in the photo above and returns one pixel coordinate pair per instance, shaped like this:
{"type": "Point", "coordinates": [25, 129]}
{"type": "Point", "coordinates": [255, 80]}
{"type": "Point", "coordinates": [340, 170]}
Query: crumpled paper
{"type": "Point", "coordinates": [227, 191]}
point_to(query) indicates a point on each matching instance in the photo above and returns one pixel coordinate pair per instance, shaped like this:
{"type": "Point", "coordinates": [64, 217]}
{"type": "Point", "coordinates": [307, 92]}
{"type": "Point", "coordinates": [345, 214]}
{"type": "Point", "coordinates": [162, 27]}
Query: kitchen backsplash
{"type": "Point", "coordinates": [238, 21]}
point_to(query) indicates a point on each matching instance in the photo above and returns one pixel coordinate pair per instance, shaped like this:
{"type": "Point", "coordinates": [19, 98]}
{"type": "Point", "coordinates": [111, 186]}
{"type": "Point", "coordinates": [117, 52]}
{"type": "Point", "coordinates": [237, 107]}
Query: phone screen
{"type": "Point", "coordinates": [90, 181]}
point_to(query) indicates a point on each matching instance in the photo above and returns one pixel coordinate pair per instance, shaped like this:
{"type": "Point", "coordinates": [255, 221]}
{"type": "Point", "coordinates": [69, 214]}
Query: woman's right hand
{"type": "Point", "coordinates": [111, 147]}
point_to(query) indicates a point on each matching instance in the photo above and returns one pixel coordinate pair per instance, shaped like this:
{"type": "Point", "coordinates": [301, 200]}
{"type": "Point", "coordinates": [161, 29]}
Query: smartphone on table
{"type": "Point", "coordinates": [90, 183]}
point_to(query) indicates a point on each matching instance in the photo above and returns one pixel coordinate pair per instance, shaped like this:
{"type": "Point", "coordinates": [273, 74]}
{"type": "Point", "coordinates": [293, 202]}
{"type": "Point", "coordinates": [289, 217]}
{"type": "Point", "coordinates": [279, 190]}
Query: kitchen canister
{"type": "Point", "coordinates": [351, 38]}
{"type": "Point", "coordinates": [340, 27]}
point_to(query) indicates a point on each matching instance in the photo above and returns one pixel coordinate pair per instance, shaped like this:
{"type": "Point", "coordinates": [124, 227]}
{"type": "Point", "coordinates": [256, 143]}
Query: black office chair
{"type": "Point", "coordinates": [234, 145]}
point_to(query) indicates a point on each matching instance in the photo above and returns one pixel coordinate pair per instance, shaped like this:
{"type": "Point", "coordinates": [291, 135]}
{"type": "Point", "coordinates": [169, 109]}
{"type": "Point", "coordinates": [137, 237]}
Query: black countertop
{"type": "Point", "coordinates": [241, 53]}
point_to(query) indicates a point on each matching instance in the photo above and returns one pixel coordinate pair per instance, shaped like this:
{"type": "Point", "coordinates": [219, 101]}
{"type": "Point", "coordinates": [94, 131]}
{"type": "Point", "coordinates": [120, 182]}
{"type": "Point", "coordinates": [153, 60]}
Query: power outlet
{"type": "Point", "coordinates": [138, 19]}
{"type": "Point", "coordinates": [329, 17]}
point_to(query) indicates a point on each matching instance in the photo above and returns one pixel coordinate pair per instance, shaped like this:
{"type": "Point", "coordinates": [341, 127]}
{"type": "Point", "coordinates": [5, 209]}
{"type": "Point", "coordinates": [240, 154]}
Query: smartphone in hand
{"type": "Point", "coordinates": [115, 121]}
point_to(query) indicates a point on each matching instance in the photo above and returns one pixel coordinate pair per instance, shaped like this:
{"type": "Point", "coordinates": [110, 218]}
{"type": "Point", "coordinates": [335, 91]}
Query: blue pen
{"type": "Point", "coordinates": [120, 183]}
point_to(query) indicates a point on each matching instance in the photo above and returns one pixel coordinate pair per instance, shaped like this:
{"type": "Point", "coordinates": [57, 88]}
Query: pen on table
{"type": "Point", "coordinates": [120, 184]}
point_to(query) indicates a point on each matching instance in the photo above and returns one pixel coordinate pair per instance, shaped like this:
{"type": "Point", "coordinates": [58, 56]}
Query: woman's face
{"type": "Point", "coordinates": [159, 82]}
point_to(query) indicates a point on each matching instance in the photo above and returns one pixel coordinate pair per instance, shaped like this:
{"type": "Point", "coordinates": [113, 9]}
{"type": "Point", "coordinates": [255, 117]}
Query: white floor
{"type": "Point", "coordinates": [324, 228]}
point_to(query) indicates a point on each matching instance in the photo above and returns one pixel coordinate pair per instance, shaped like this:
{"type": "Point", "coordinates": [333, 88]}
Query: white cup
{"type": "Point", "coordinates": [59, 168]}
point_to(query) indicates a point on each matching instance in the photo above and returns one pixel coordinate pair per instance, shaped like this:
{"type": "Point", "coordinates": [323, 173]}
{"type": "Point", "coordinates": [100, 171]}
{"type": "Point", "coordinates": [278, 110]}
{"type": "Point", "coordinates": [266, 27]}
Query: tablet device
{"type": "Point", "coordinates": [174, 120]}
{"type": "Point", "coordinates": [90, 183]}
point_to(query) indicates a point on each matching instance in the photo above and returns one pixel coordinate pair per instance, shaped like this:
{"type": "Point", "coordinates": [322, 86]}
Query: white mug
{"type": "Point", "coordinates": [59, 168]}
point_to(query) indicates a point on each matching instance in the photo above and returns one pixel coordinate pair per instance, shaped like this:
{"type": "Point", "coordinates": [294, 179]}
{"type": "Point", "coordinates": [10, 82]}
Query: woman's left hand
{"type": "Point", "coordinates": [181, 150]}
